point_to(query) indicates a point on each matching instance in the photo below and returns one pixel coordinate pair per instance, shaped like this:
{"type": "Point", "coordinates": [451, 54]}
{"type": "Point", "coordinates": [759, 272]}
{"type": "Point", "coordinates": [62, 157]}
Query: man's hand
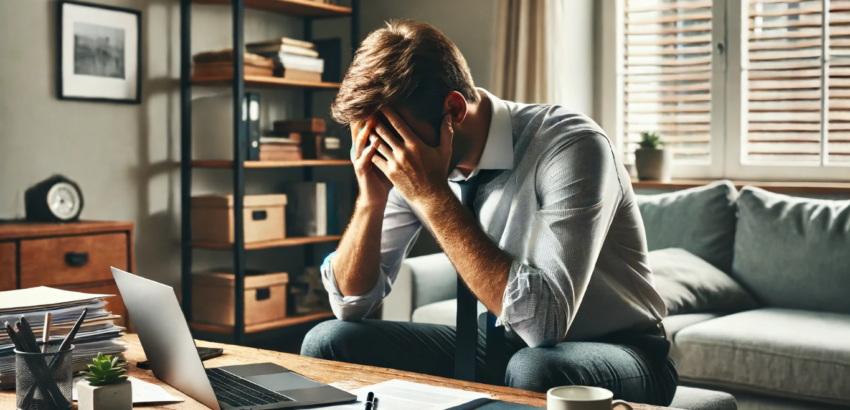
{"type": "Point", "coordinates": [417, 171]}
{"type": "Point", "coordinates": [374, 185]}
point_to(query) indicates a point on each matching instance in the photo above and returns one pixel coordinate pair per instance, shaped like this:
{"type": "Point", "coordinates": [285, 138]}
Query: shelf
{"type": "Point", "coordinates": [773, 186]}
{"type": "Point", "coordinates": [303, 8]}
{"type": "Point", "coordinates": [274, 164]}
{"type": "Point", "coordinates": [269, 244]}
{"type": "Point", "coordinates": [257, 81]}
{"type": "Point", "coordinates": [289, 321]}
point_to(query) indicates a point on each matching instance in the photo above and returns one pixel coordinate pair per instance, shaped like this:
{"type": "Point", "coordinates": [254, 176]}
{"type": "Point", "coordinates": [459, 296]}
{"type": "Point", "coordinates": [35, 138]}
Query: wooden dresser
{"type": "Point", "coordinates": [73, 256]}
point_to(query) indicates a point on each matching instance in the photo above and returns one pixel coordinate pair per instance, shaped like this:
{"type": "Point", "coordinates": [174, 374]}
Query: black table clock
{"type": "Point", "coordinates": [56, 199]}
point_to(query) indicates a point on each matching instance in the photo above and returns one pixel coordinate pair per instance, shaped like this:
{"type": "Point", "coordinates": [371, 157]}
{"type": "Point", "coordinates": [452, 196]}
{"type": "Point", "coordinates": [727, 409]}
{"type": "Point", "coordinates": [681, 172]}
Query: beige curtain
{"type": "Point", "coordinates": [520, 71]}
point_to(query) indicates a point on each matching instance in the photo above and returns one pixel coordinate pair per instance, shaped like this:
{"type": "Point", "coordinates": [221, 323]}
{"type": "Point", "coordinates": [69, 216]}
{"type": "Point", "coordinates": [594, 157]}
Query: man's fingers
{"type": "Point", "coordinates": [395, 120]}
{"type": "Point", "coordinates": [384, 149]}
{"type": "Point", "coordinates": [382, 164]}
{"type": "Point", "coordinates": [388, 136]}
{"type": "Point", "coordinates": [360, 139]}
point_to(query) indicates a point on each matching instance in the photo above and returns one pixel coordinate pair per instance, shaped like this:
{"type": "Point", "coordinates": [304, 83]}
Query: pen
{"type": "Point", "coordinates": [45, 333]}
{"type": "Point", "coordinates": [375, 403]}
{"type": "Point", "coordinates": [66, 344]}
{"type": "Point", "coordinates": [369, 398]}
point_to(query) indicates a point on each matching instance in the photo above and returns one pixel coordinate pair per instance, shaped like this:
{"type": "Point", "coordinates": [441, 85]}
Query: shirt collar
{"type": "Point", "coordinates": [499, 148]}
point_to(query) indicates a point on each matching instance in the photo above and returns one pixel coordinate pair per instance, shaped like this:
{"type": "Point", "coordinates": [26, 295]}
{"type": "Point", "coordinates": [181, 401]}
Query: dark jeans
{"type": "Point", "coordinates": [636, 369]}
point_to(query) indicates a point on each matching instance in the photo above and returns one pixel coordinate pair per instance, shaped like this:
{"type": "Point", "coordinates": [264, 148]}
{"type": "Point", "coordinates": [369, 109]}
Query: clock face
{"type": "Point", "coordinates": [63, 201]}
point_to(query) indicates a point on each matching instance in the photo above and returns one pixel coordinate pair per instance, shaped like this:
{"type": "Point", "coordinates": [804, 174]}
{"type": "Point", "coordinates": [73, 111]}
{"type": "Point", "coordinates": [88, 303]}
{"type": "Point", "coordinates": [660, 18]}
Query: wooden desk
{"type": "Point", "coordinates": [341, 375]}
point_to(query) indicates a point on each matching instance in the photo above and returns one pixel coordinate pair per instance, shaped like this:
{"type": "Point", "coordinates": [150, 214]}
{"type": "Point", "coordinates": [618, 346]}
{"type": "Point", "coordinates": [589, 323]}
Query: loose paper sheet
{"type": "Point", "coordinates": [402, 395]}
{"type": "Point", "coordinates": [143, 392]}
{"type": "Point", "coordinates": [42, 297]}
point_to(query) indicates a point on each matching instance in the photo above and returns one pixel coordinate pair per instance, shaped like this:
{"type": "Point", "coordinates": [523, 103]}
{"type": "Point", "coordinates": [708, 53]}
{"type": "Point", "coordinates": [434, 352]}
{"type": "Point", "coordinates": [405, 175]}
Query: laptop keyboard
{"type": "Point", "coordinates": [239, 392]}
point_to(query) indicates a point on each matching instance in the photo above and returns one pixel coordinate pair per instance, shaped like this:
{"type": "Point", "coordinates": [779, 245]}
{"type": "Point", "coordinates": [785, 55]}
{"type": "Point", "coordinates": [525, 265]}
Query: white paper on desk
{"type": "Point", "coordinates": [402, 395]}
{"type": "Point", "coordinates": [143, 392]}
{"type": "Point", "coordinates": [42, 297]}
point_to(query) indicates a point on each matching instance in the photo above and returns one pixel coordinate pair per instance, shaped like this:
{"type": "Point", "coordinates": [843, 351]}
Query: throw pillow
{"type": "Point", "coordinates": [793, 252]}
{"type": "Point", "coordinates": [700, 220]}
{"type": "Point", "coordinates": [689, 284]}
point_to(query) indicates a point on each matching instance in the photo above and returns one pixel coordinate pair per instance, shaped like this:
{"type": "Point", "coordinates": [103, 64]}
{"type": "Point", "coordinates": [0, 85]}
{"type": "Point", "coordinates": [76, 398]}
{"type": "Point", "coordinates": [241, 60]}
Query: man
{"type": "Point", "coordinates": [553, 243]}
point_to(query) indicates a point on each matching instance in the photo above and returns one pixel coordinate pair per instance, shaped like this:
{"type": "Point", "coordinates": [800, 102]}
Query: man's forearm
{"type": "Point", "coordinates": [483, 266]}
{"type": "Point", "coordinates": [357, 261]}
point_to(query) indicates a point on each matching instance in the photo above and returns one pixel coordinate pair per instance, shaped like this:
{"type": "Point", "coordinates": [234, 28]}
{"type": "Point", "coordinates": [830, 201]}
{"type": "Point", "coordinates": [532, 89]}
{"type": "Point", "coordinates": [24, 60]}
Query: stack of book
{"type": "Point", "coordinates": [220, 64]}
{"type": "Point", "coordinates": [98, 332]}
{"type": "Point", "coordinates": [305, 133]}
{"type": "Point", "coordinates": [293, 59]}
{"type": "Point", "coordinates": [281, 148]}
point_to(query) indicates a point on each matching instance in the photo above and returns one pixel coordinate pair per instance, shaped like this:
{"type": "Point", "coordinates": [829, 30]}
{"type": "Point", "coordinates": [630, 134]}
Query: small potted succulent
{"type": "Point", "coordinates": [652, 160]}
{"type": "Point", "coordinates": [105, 387]}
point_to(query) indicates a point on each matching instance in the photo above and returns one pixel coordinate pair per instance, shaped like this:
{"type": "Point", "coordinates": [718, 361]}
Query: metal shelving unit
{"type": "Point", "coordinates": [309, 10]}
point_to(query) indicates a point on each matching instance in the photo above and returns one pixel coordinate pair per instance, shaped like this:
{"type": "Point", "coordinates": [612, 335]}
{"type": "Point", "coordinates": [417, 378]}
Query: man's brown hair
{"type": "Point", "coordinates": [409, 64]}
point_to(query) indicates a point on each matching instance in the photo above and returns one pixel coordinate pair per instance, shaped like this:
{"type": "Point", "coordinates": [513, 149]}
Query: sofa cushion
{"type": "Point", "coordinates": [691, 398]}
{"type": "Point", "coordinates": [700, 220]}
{"type": "Point", "coordinates": [780, 352]}
{"type": "Point", "coordinates": [689, 284]}
{"type": "Point", "coordinates": [793, 252]}
{"type": "Point", "coordinates": [673, 324]}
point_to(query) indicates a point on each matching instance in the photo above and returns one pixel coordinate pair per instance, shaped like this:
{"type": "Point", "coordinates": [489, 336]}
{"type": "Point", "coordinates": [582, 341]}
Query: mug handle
{"type": "Point", "coordinates": [618, 402]}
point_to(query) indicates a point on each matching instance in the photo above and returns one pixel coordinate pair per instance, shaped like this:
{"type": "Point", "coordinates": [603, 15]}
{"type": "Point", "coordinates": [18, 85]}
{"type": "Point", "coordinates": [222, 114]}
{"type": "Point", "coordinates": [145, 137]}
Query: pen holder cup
{"type": "Point", "coordinates": [44, 381]}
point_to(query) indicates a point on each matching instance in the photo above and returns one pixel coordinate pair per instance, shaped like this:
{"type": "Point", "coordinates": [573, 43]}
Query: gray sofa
{"type": "Point", "coordinates": [757, 287]}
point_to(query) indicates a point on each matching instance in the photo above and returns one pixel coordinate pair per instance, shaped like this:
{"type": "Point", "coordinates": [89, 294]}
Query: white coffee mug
{"type": "Point", "coordinates": [581, 398]}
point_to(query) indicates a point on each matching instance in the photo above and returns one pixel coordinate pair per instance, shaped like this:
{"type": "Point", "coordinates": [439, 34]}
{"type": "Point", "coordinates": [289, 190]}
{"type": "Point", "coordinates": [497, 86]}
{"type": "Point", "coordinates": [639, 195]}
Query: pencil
{"type": "Point", "coordinates": [45, 334]}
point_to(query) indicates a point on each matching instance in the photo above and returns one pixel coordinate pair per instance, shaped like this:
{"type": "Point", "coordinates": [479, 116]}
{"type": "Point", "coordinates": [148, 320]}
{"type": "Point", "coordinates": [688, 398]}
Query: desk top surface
{"type": "Point", "coordinates": [342, 375]}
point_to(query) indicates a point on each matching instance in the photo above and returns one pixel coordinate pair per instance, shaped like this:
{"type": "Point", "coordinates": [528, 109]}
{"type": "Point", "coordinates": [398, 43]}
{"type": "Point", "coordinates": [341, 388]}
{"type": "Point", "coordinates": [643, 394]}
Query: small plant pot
{"type": "Point", "coordinates": [110, 397]}
{"type": "Point", "coordinates": [654, 164]}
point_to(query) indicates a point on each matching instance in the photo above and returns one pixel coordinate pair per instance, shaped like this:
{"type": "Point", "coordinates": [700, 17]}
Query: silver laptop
{"type": "Point", "coordinates": [174, 359]}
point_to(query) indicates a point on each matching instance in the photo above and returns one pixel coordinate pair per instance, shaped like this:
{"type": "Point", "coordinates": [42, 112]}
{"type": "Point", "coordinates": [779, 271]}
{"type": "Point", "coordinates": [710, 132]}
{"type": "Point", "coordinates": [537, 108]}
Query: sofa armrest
{"type": "Point", "coordinates": [434, 279]}
{"type": "Point", "coordinates": [421, 281]}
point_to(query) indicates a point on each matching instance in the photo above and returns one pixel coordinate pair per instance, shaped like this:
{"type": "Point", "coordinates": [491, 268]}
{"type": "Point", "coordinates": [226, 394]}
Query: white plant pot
{"type": "Point", "coordinates": [112, 397]}
{"type": "Point", "coordinates": [654, 164]}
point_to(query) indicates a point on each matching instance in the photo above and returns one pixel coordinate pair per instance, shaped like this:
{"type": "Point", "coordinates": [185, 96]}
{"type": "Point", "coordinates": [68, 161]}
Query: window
{"type": "Point", "coordinates": [667, 70]}
{"type": "Point", "coordinates": [746, 89]}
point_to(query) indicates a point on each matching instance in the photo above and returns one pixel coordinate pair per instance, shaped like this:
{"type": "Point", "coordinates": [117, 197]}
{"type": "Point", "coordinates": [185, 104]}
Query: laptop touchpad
{"type": "Point", "coordinates": [283, 381]}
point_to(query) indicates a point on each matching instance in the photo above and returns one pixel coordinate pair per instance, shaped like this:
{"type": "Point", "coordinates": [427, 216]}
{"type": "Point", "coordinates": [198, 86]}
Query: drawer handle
{"type": "Point", "coordinates": [259, 215]}
{"type": "Point", "coordinates": [77, 259]}
{"type": "Point", "coordinates": [264, 293]}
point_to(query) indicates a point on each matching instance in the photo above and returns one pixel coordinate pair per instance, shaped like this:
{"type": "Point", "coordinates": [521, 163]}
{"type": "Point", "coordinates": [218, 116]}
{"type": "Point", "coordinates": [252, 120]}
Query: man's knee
{"type": "Point", "coordinates": [330, 340]}
{"type": "Point", "coordinates": [540, 369]}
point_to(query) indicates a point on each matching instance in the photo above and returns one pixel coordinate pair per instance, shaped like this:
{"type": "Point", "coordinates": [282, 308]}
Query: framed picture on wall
{"type": "Point", "coordinates": [99, 53]}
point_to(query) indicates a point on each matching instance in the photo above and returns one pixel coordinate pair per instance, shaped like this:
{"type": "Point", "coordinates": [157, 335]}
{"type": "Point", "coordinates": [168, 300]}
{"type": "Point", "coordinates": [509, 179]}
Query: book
{"type": "Point", "coordinates": [225, 69]}
{"type": "Point", "coordinates": [284, 61]}
{"type": "Point", "coordinates": [305, 125]}
{"type": "Point", "coordinates": [312, 209]}
{"type": "Point", "coordinates": [300, 75]}
{"type": "Point", "coordinates": [226, 55]}
{"type": "Point", "coordinates": [282, 48]}
{"type": "Point", "coordinates": [251, 115]}
{"type": "Point", "coordinates": [283, 155]}
{"type": "Point", "coordinates": [282, 40]}
{"type": "Point", "coordinates": [294, 138]}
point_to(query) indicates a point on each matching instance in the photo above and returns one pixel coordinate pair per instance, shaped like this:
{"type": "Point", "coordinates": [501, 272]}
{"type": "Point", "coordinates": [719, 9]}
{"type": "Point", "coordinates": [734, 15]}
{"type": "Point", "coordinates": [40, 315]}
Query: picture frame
{"type": "Point", "coordinates": [99, 53]}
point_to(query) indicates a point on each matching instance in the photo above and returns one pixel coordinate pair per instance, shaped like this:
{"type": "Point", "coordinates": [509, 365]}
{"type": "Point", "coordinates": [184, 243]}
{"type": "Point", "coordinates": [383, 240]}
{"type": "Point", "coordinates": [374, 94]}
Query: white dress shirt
{"type": "Point", "coordinates": [561, 205]}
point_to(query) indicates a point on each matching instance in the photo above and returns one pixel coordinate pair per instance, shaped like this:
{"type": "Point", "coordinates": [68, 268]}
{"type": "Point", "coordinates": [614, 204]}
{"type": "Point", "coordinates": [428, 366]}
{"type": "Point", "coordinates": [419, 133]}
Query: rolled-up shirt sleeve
{"type": "Point", "coordinates": [398, 233]}
{"type": "Point", "coordinates": [578, 192]}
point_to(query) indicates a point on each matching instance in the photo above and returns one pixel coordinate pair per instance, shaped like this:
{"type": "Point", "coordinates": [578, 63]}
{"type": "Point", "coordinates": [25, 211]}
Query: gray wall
{"type": "Point", "coordinates": [124, 156]}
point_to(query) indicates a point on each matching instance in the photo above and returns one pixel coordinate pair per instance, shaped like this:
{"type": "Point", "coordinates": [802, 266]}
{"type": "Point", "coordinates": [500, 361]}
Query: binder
{"type": "Point", "coordinates": [253, 123]}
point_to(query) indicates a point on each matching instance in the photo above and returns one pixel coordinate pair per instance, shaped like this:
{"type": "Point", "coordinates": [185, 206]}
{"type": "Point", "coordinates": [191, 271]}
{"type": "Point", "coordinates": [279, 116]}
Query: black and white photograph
{"type": "Point", "coordinates": [99, 53]}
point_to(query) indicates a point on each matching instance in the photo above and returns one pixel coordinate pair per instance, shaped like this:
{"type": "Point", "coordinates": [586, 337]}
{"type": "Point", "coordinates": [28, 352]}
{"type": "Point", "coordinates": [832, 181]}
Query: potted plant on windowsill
{"type": "Point", "coordinates": [105, 387]}
{"type": "Point", "coordinates": [652, 160]}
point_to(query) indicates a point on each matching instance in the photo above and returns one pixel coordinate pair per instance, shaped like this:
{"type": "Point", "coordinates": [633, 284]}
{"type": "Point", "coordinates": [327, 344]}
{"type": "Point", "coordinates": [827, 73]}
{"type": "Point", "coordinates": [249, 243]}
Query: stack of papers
{"type": "Point", "coordinates": [98, 334]}
{"type": "Point", "coordinates": [402, 395]}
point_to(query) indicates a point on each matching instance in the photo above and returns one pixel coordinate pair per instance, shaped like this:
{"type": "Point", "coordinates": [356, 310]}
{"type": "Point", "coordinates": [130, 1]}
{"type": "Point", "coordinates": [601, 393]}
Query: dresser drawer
{"type": "Point", "coordinates": [7, 266]}
{"type": "Point", "coordinates": [113, 304]}
{"type": "Point", "coordinates": [72, 259]}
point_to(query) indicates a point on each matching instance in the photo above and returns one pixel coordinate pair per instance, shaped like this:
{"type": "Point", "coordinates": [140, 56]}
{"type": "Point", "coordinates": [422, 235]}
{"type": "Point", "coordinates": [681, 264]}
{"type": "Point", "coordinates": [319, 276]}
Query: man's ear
{"type": "Point", "coordinates": [455, 105]}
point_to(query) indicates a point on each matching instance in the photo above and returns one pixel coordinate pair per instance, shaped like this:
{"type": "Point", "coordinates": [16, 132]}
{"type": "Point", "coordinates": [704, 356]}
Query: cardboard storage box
{"type": "Point", "coordinates": [263, 218]}
{"type": "Point", "coordinates": [213, 297]}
